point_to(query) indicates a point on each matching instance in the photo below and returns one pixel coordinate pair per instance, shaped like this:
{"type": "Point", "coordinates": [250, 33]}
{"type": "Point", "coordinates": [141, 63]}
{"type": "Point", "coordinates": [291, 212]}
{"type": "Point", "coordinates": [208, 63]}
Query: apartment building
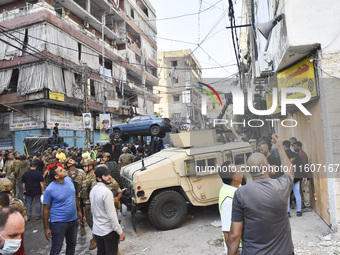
{"type": "Point", "coordinates": [59, 59]}
{"type": "Point", "coordinates": [180, 96]}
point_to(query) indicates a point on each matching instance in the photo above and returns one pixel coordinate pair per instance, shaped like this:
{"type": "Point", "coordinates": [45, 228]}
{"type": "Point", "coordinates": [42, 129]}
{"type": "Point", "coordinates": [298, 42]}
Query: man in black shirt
{"type": "Point", "coordinates": [297, 164]}
{"type": "Point", "coordinates": [55, 134]}
{"type": "Point", "coordinates": [140, 154]}
{"type": "Point", "coordinates": [272, 160]}
{"type": "Point", "coordinates": [39, 163]}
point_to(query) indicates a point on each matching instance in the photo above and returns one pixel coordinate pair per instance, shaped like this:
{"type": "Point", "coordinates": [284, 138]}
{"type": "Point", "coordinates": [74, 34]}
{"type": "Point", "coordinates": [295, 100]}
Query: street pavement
{"type": "Point", "coordinates": [197, 235]}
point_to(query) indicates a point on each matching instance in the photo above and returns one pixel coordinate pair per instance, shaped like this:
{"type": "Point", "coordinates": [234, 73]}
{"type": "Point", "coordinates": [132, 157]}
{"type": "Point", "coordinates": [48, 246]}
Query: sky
{"type": "Point", "coordinates": [206, 28]}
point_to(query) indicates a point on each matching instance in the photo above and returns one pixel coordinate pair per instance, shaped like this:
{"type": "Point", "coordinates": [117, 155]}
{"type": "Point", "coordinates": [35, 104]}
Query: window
{"type": "Point", "coordinates": [79, 51]}
{"type": "Point", "coordinates": [132, 14]}
{"type": "Point", "coordinates": [145, 118]}
{"type": "Point", "coordinates": [78, 80]}
{"type": "Point", "coordinates": [92, 89]}
{"type": "Point", "coordinates": [25, 41]}
{"type": "Point", "coordinates": [239, 159]}
{"type": "Point", "coordinates": [134, 119]}
{"type": "Point", "coordinates": [176, 98]}
{"type": "Point", "coordinates": [13, 84]}
{"type": "Point", "coordinates": [174, 63]}
{"type": "Point", "coordinates": [206, 166]}
{"type": "Point", "coordinates": [176, 116]}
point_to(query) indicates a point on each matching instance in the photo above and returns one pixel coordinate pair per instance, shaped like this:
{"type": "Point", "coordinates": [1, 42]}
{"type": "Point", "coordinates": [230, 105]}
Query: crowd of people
{"type": "Point", "coordinates": [254, 216]}
{"type": "Point", "coordinates": [84, 186]}
{"type": "Point", "coordinates": [62, 181]}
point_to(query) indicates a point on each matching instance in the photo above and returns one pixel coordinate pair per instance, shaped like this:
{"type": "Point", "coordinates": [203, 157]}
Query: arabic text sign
{"type": "Point", "coordinates": [301, 75]}
{"type": "Point", "coordinates": [6, 143]}
{"type": "Point", "coordinates": [32, 119]}
{"type": "Point", "coordinates": [64, 118]}
{"type": "Point", "coordinates": [57, 96]}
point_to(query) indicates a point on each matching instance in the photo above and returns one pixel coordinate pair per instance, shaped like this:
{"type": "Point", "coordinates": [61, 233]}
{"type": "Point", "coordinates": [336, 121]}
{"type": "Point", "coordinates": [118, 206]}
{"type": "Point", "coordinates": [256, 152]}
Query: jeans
{"type": "Point", "coordinates": [107, 245]}
{"type": "Point", "coordinates": [296, 191]}
{"type": "Point", "coordinates": [20, 190]}
{"type": "Point", "coordinates": [55, 139]}
{"type": "Point", "coordinates": [61, 230]}
{"type": "Point", "coordinates": [29, 201]}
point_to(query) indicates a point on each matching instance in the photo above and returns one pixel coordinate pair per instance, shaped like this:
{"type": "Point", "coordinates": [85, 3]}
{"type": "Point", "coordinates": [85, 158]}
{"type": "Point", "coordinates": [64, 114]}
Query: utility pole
{"type": "Point", "coordinates": [86, 103]}
{"type": "Point", "coordinates": [103, 59]}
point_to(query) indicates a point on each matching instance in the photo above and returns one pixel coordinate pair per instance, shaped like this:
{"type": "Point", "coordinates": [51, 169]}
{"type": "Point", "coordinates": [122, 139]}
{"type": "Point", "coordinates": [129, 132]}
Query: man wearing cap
{"type": "Point", "coordinates": [126, 158]}
{"type": "Point", "coordinates": [105, 124]}
{"type": "Point", "coordinates": [106, 228]}
{"type": "Point", "coordinates": [47, 156]}
{"type": "Point", "coordinates": [88, 183]}
{"type": "Point", "coordinates": [77, 176]}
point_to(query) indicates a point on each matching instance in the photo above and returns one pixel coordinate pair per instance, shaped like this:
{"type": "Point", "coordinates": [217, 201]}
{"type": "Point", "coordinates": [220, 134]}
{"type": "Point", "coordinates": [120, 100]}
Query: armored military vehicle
{"type": "Point", "coordinates": [164, 183]}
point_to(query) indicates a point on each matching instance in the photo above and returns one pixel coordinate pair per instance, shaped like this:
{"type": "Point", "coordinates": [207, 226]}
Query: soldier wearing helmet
{"type": "Point", "coordinates": [7, 186]}
{"type": "Point", "coordinates": [88, 183]}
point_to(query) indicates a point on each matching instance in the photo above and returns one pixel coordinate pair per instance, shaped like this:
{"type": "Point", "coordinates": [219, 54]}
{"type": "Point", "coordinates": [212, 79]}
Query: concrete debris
{"type": "Point", "coordinates": [216, 223]}
{"type": "Point", "coordinates": [327, 238]}
{"type": "Point", "coordinates": [216, 242]}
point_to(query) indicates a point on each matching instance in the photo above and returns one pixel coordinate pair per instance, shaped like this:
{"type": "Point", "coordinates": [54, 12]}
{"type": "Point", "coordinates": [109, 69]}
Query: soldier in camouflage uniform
{"type": "Point", "coordinates": [88, 183]}
{"type": "Point", "coordinates": [77, 175]}
{"type": "Point", "coordinates": [47, 156]}
{"type": "Point", "coordinates": [6, 186]}
{"type": "Point", "coordinates": [8, 167]}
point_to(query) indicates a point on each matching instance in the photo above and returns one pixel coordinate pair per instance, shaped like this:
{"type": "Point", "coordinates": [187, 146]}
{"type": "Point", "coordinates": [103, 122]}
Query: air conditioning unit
{"type": "Point", "coordinates": [263, 65]}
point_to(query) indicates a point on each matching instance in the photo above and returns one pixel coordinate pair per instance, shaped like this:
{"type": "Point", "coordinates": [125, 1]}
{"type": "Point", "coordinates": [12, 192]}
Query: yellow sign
{"type": "Point", "coordinates": [301, 75]}
{"type": "Point", "coordinates": [57, 96]}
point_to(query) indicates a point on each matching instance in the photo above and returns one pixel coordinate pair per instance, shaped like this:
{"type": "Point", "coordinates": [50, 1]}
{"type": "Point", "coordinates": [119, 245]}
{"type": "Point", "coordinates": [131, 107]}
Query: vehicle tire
{"type": "Point", "coordinates": [116, 134]}
{"type": "Point", "coordinates": [167, 210]}
{"type": "Point", "coordinates": [155, 130]}
{"type": "Point", "coordinates": [161, 135]}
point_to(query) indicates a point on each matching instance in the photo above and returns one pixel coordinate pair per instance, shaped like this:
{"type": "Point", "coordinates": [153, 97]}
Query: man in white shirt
{"type": "Point", "coordinates": [106, 228]}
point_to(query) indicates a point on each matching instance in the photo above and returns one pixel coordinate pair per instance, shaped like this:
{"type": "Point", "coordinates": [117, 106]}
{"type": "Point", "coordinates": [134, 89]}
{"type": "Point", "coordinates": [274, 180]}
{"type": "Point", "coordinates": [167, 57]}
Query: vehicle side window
{"type": "Point", "coordinates": [206, 166]}
{"type": "Point", "coordinates": [239, 159]}
{"type": "Point", "coordinates": [145, 118]}
{"type": "Point", "coordinates": [134, 119]}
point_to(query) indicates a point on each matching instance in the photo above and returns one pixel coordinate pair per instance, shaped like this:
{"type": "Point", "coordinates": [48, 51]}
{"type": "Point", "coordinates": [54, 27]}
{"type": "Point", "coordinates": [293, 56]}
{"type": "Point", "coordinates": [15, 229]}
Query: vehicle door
{"type": "Point", "coordinates": [145, 123]}
{"type": "Point", "coordinates": [239, 157]}
{"type": "Point", "coordinates": [132, 125]}
{"type": "Point", "coordinates": [204, 178]}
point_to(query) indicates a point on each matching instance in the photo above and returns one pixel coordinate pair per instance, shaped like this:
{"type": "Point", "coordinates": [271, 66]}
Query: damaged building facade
{"type": "Point", "coordinates": [59, 59]}
{"type": "Point", "coordinates": [295, 44]}
{"type": "Point", "coordinates": [180, 96]}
